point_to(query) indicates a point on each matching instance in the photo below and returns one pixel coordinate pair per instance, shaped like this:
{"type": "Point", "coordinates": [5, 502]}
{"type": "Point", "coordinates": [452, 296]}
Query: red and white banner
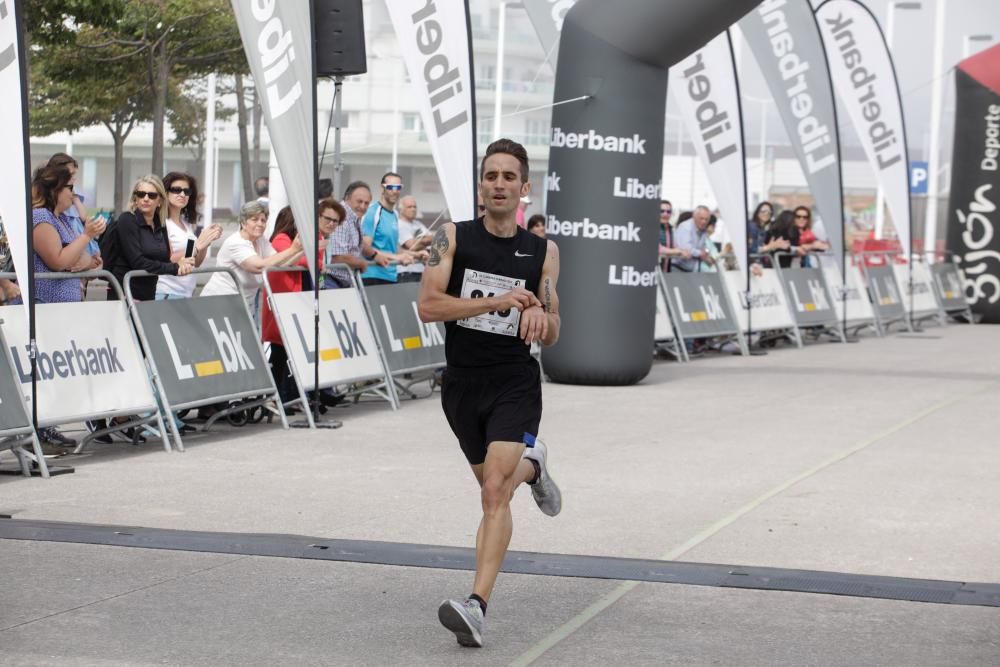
{"type": "Point", "coordinates": [435, 43]}
{"type": "Point", "coordinates": [865, 80]}
{"type": "Point", "coordinates": [15, 198]}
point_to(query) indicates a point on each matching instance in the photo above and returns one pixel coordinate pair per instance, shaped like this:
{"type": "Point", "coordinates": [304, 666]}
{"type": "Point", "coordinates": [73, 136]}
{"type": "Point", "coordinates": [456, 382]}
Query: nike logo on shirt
{"type": "Point", "coordinates": [517, 253]}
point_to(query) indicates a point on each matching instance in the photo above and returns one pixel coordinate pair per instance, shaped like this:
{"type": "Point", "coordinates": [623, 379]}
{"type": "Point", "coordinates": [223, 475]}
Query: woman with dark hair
{"type": "Point", "coordinates": [57, 245]}
{"type": "Point", "coordinates": [757, 226]}
{"type": "Point", "coordinates": [783, 235]}
{"type": "Point", "coordinates": [142, 240]}
{"type": "Point", "coordinates": [182, 218]}
{"type": "Point", "coordinates": [58, 248]}
{"type": "Point", "coordinates": [808, 241]}
{"type": "Point", "coordinates": [536, 225]}
{"type": "Point", "coordinates": [331, 214]}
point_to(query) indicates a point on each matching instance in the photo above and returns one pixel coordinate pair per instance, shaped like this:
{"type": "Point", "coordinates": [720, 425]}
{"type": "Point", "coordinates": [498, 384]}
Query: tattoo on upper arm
{"type": "Point", "coordinates": [438, 247]}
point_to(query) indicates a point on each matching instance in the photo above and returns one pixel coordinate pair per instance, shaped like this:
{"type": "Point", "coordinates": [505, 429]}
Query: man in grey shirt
{"type": "Point", "coordinates": [691, 235]}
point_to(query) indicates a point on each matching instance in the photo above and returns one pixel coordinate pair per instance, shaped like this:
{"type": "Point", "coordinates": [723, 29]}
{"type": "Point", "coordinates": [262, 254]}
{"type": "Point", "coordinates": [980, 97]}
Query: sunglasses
{"type": "Point", "coordinates": [668, 211]}
{"type": "Point", "coordinates": [394, 187]}
{"type": "Point", "coordinates": [142, 194]}
{"type": "Point", "coordinates": [801, 215]}
{"type": "Point", "coordinates": [332, 221]}
{"type": "Point", "coordinates": [70, 188]}
{"type": "Point", "coordinates": [180, 191]}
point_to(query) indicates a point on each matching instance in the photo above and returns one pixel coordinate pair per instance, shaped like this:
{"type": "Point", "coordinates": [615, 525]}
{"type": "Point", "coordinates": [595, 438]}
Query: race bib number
{"type": "Point", "coordinates": [479, 285]}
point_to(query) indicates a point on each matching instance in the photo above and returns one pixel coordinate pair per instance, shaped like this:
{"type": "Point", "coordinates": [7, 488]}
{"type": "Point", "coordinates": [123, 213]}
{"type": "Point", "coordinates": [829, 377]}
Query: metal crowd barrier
{"type": "Point", "coordinates": [339, 362]}
{"type": "Point", "coordinates": [181, 331]}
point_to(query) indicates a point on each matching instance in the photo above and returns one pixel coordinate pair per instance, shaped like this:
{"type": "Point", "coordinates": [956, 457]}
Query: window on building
{"type": "Point", "coordinates": [484, 130]}
{"type": "Point", "coordinates": [536, 132]}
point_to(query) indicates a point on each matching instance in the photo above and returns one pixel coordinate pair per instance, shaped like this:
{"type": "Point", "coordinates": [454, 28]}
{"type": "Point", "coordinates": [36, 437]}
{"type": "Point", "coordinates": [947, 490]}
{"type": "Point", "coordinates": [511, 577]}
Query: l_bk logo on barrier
{"type": "Point", "coordinates": [229, 343]}
{"type": "Point", "coordinates": [347, 335]}
{"type": "Point", "coordinates": [72, 361]}
{"type": "Point", "coordinates": [711, 301]}
{"type": "Point", "coordinates": [429, 336]}
{"type": "Point", "coordinates": [817, 296]}
{"type": "Point", "coordinates": [888, 295]}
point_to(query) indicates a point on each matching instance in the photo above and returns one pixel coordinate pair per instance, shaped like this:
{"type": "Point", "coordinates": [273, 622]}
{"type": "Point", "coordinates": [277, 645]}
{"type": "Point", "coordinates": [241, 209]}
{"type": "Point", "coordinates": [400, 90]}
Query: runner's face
{"type": "Point", "coordinates": [501, 187]}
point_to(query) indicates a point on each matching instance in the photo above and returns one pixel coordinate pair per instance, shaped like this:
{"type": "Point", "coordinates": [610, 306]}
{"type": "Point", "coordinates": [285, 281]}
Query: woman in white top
{"type": "Point", "coordinates": [248, 253]}
{"type": "Point", "coordinates": [182, 216]}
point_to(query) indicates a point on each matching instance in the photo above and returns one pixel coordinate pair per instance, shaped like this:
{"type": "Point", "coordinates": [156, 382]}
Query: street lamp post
{"type": "Point", "coordinates": [890, 31]}
{"type": "Point", "coordinates": [498, 75]}
{"type": "Point", "coordinates": [934, 150]}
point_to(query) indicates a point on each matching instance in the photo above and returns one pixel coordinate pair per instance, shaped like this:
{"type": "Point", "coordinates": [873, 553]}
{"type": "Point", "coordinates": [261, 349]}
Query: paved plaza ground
{"type": "Point", "coordinates": [876, 458]}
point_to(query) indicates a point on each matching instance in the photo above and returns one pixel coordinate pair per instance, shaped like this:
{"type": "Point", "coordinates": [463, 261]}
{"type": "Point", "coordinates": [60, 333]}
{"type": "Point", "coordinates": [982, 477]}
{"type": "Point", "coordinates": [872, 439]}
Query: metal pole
{"type": "Point", "coordinates": [937, 99]}
{"type": "Point", "coordinates": [395, 117]}
{"type": "Point", "coordinates": [338, 165]}
{"type": "Point", "coordinates": [209, 152]}
{"type": "Point", "coordinates": [498, 75]}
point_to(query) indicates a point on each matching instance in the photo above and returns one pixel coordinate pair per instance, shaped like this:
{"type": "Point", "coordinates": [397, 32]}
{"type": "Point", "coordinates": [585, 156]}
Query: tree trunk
{"type": "Point", "coordinates": [260, 169]}
{"type": "Point", "coordinates": [118, 136]}
{"type": "Point", "coordinates": [159, 68]}
{"type": "Point", "coordinates": [241, 123]}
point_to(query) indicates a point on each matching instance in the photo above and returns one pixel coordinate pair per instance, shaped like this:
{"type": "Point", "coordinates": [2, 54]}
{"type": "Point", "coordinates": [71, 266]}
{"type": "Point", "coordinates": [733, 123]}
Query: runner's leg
{"type": "Point", "coordinates": [499, 476]}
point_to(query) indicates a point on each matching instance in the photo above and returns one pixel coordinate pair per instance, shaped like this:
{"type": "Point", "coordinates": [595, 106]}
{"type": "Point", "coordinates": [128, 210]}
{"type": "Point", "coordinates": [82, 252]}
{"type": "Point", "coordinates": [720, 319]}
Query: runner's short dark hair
{"type": "Point", "coordinates": [510, 147]}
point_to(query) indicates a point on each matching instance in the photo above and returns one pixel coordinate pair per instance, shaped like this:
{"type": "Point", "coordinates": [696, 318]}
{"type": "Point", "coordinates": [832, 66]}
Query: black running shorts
{"type": "Point", "coordinates": [500, 404]}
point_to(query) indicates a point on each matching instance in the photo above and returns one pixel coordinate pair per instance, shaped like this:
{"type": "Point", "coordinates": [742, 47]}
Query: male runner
{"type": "Point", "coordinates": [494, 286]}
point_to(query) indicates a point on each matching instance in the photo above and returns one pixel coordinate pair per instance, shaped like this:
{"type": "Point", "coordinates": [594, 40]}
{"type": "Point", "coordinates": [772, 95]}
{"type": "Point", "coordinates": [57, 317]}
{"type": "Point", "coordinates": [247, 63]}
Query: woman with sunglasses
{"type": "Point", "coordinates": [331, 214]}
{"type": "Point", "coordinates": [182, 218]}
{"type": "Point", "coordinates": [58, 248]}
{"type": "Point", "coordinates": [808, 241]}
{"type": "Point", "coordinates": [143, 242]}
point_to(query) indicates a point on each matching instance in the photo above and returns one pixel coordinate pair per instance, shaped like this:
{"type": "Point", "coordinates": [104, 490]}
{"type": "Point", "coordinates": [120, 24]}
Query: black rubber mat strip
{"type": "Point", "coordinates": [518, 562]}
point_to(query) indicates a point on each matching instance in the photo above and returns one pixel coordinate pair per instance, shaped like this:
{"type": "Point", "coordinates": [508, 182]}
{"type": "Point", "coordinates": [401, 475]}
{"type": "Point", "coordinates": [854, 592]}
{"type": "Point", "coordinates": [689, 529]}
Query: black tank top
{"type": "Point", "coordinates": [487, 265]}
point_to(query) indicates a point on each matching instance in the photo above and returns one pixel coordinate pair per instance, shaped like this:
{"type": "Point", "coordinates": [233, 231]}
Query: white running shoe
{"type": "Point", "coordinates": [465, 619]}
{"type": "Point", "coordinates": [545, 492]}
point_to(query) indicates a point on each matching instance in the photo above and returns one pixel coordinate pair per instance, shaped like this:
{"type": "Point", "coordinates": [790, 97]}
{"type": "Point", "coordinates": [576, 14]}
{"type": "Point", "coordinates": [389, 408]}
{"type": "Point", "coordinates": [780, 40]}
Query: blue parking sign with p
{"type": "Point", "coordinates": [918, 178]}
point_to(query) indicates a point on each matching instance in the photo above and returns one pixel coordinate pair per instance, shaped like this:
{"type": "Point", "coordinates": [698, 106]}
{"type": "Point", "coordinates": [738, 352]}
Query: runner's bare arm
{"type": "Point", "coordinates": [436, 305]}
{"type": "Point", "coordinates": [547, 294]}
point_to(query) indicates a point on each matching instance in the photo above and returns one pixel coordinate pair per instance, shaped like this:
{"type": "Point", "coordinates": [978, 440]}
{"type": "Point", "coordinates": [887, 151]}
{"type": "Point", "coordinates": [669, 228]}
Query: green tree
{"type": "Point", "coordinates": [171, 38]}
{"type": "Point", "coordinates": [66, 93]}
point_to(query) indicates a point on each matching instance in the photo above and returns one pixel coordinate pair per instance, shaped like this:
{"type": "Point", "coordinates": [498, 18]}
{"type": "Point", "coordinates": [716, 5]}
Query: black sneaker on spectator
{"type": "Point", "coordinates": [96, 425]}
{"type": "Point", "coordinates": [55, 443]}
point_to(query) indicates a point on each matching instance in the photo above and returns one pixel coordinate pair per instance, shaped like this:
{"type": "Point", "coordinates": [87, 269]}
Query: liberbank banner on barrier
{"type": "Point", "coordinates": [434, 38]}
{"type": "Point", "coordinates": [865, 79]}
{"type": "Point", "coordinates": [204, 348]}
{"type": "Point", "coordinates": [770, 307]}
{"type": "Point", "coordinates": [949, 285]}
{"type": "Point", "coordinates": [974, 218]}
{"type": "Point", "coordinates": [278, 40]}
{"type": "Point", "coordinates": [808, 296]}
{"type": "Point", "coordinates": [786, 43]}
{"type": "Point", "coordinates": [15, 194]}
{"type": "Point", "coordinates": [859, 308]}
{"type": "Point", "coordinates": [90, 368]}
{"type": "Point", "coordinates": [922, 301]}
{"type": "Point", "coordinates": [347, 349]}
{"type": "Point", "coordinates": [708, 95]}
{"type": "Point", "coordinates": [13, 415]}
{"type": "Point", "coordinates": [408, 343]}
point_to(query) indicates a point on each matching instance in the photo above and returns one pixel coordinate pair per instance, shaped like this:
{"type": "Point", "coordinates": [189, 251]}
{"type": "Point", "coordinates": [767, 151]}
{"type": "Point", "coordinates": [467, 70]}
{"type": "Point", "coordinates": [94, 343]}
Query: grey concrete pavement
{"type": "Point", "coordinates": [875, 458]}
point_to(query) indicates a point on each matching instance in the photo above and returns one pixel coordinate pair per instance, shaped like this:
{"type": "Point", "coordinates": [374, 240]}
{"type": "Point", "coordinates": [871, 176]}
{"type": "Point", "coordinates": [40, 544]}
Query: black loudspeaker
{"type": "Point", "coordinates": [340, 38]}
